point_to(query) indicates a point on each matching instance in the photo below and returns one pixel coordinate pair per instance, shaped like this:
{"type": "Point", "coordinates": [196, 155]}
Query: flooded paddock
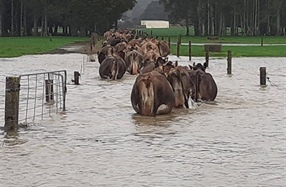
{"type": "Point", "coordinates": [240, 140]}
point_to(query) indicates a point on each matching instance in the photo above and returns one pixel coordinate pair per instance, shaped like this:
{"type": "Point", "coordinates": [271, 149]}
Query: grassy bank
{"type": "Point", "coordinates": [18, 46]}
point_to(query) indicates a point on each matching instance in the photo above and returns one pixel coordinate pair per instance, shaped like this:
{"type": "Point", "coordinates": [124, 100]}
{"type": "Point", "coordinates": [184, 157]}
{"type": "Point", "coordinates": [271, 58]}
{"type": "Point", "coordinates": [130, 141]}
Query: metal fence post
{"type": "Point", "coordinates": [12, 103]}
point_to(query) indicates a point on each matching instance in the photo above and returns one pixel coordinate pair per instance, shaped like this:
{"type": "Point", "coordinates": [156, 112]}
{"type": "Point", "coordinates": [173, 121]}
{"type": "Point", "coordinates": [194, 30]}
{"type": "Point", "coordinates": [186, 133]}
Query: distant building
{"type": "Point", "coordinates": [155, 23]}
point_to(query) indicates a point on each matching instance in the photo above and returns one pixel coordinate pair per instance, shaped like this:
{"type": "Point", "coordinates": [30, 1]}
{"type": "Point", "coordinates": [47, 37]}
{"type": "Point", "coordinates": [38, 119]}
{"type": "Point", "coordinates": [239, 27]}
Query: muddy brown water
{"type": "Point", "coordinates": [240, 140]}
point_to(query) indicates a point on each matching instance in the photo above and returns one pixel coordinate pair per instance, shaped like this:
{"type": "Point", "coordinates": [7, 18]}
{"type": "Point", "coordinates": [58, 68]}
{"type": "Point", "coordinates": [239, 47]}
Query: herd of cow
{"type": "Point", "coordinates": [160, 84]}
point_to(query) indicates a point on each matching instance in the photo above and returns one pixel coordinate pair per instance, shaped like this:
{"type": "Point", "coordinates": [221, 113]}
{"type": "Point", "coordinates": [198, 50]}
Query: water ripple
{"type": "Point", "coordinates": [239, 140]}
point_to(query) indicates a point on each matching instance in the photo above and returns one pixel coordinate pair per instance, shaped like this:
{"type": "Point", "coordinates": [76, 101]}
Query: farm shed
{"type": "Point", "coordinates": [155, 23]}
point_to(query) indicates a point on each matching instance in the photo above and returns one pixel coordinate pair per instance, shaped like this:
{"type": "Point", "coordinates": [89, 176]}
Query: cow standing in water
{"type": "Point", "coordinates": [113, 66]}
{"type": "Point", "coordinates": [152, 94]}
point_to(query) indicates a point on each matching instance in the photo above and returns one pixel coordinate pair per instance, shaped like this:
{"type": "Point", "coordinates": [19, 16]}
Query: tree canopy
{"type": "Point", "coordinates": [19, 17]}
{"type": "Point", "coordinates": [213, 17]}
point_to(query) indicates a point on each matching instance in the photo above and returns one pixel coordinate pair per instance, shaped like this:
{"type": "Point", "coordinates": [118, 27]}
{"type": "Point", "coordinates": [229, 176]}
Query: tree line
{"type": "Point", "coordinates": [74, 17]}
{"type": "Point", "coordinates": [81, 17]}
{"type": "Point", "coordinates": [243, 17]}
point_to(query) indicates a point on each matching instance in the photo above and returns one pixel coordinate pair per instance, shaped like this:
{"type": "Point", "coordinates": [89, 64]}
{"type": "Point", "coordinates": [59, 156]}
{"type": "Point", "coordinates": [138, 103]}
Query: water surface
{"type": "Point", "coordinates": [240, 140]}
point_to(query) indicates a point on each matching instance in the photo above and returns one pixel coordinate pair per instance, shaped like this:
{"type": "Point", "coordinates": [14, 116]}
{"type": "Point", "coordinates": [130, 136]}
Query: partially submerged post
{"type": "Point", "coordinates": [12, 103]}
{"type": "Point", "coordinates": [190, 50]}
{"type": "Point", "coordinates": [49, 90]}
{"type": "Point", "coordinates": [262, 76]}
{"type": "Point", "coordinates": [76, 78]}
{"type": "Point", "coordinates": [229, 59]}
{"type": "Point", "coordinates": [207, 58]}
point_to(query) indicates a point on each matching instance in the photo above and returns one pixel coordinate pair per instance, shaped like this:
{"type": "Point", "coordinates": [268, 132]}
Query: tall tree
{"type": "Point", "coordinates": [12, 17]}
{"type": "Point", "coordinates": [179, 10]}
{"type": "Point", "coordinates": [1, 20]}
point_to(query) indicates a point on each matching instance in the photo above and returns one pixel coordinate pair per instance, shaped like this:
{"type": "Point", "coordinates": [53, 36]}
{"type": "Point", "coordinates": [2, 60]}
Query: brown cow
{"type": "Point", "coordinates": [205, 88]}
{"type": "Point", "coordinates": [134, 62]}
{"type": "Point", "coordinates": [152, 94]}
{"type": "Point", "coordinates": [181, 83]}
{"type": "Point", "coordinates": [112, 66]}
{"type": "Point", "coordinates": [164, 48]}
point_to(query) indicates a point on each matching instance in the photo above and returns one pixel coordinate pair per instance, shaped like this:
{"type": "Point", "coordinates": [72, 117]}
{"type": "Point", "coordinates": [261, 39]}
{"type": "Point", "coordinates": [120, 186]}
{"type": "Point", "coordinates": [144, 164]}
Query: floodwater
{"type": "Point", "coordinates": [240, 140]}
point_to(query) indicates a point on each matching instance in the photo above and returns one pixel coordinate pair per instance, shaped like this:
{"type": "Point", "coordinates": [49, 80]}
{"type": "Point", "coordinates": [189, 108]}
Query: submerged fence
{"type": "Point", "coordinates": [32, 97]}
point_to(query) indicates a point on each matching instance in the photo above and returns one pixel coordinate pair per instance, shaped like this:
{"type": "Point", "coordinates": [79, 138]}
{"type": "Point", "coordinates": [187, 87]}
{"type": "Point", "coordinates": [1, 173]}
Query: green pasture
{"type": "Point", "coordinates": [174, 32]}
{"type": "Point", "coordinates": [18, 46]}
{"type": "Point", "coordinates": [237, 51]}
{"type": "Point", "coordinates": [232, 39]}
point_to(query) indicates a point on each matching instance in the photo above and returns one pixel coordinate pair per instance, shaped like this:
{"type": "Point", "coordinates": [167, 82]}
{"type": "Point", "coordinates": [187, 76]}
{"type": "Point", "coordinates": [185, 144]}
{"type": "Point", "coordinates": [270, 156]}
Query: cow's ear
{"type": "Point", "coordinates": [194, 64]}
{"type": "Point", "coordinates": [191, 67]}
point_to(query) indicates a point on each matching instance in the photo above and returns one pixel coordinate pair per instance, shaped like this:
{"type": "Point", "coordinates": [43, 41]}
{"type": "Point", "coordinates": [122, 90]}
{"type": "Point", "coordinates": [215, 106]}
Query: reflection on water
{"type": "Point", "coordinates": [238, 140]}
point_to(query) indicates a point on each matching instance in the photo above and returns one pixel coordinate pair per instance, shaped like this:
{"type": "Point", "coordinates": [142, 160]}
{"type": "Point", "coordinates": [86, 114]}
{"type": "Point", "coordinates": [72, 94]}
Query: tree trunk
{"type": "Point", "coordinates": [12, 17]}
{"type": "Point", "coordinates": [187, 25]}
{"type": "Point", "coordinates": [56, 30]}
{"type": "Point", "coordinates": [199, 22]}
{"type": "Point", "coordinates": [213, 20]}
{"type": "Point", "coordinates": [45, 23]}
{"type": "Point", "coordinates": [21, 18]}
{"type": "Point", "coordinates": [65, 30]}
{"type": "Point", "coordinates": [233, 25]}
{"type": "Point", "coordinates": [42, 26]}
{"type": "Point", "coordinates": [1, 33]}
{"type": "Point", "coordinates": [35, 26]}
{"type": "Point", "coordinates": [220, 30]}
{"type": "Point", "coordinates": [209, 18]}
{"type": "Point", "coordinates": [25, 20]}
{"type": "Point", "coordinates": [255, 17]}
{"type": "Point", "coordinates": [278, 22]}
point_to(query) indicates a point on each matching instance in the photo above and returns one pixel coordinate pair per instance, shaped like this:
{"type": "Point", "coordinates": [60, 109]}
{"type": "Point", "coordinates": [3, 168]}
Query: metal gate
{"type": "Point", "coordinates": [41, 94]}
{"type": "Point", "coordinates": [34, 97]}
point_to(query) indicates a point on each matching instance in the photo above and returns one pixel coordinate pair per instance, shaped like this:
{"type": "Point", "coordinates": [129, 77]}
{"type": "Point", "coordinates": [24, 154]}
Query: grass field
{"type": "Point", "coordinates": [237, 51]}
{"type": "Point", "coordinates": [18, 46]}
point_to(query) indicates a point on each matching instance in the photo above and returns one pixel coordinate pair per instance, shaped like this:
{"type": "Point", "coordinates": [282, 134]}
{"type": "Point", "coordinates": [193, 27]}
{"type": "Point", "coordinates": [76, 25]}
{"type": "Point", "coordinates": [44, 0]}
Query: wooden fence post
{"type": "Point", "coordinates": [178, 45]}
{"type": "Point", "coordinates": [229, 59]}
{"type": "Point", "coordinates": [12, 103]}
{"type": "Point", "coordinates": [76, 78]}
{"type": "Point", "coordinates": [180, 39]}
{"type": "Point", "coordinates": [178, 48]}
{"type": "Point", "coordinates": [169, 42]}
{"type": "Point", "coordinates": [207, 58]}
{"type": "Point", "coordinates": [49, 90]}
{"type": "Point", "coordinates": [262, 40]}
{"type": "Point", "coordinates": [262, 76]}
{"type": "Point", "coordinates": [190, 50]}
